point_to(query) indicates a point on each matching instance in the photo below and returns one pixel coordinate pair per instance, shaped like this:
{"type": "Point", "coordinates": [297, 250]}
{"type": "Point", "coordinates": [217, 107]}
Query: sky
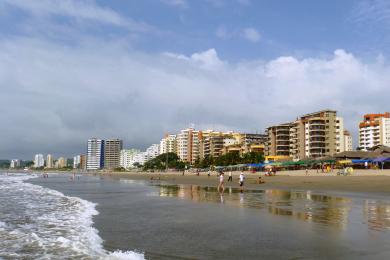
{"type": "Point", "coordinates": [135, 70]}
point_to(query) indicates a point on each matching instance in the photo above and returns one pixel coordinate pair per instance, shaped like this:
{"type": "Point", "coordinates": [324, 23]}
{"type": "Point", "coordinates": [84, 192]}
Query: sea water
{"type": "Point", "coordinates": [40, 223]}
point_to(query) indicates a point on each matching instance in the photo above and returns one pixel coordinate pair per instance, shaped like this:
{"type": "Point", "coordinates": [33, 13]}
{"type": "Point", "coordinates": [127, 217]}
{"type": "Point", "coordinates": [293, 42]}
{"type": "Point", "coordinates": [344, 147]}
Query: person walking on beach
{"type": "Point", "coordinates": [230, 177]}
{"type": "Point", "coordinates": [221, 185]}
{"type": "Point", "coordinates": [241, 181]}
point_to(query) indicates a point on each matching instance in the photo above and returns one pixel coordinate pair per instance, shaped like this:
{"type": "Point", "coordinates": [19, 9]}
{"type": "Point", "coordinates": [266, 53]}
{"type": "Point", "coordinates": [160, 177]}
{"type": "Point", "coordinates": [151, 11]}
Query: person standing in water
{"type": "Point", "coordinates": [230, 176]}
{"type": "Point", "coordinates": [241, 181]}
{"type": "Point", "coordinates": [221, 182]}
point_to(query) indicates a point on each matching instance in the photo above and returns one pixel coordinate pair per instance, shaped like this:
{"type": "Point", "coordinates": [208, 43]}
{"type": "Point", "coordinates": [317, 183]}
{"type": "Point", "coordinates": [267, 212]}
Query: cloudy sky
{"type": "Point", "coordinates": [74, 69]}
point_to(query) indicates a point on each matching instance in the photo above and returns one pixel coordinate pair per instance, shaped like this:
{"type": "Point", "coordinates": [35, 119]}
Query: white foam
{"type": "Point", "coordinates": [119, 255]}
{"type": "Point", "coordinates": [56, 224]}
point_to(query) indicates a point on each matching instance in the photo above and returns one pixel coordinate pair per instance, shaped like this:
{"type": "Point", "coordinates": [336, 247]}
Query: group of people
{"type": "Point", "coordinates": [221, 185]}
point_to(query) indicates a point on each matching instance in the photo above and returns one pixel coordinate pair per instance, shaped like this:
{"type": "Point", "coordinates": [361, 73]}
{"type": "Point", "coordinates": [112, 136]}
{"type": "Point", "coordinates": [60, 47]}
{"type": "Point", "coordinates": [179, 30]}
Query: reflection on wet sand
{"type": "Point", "coordinates": [377, 214]}
{"type": "Point", "coordinates": [303, 205]}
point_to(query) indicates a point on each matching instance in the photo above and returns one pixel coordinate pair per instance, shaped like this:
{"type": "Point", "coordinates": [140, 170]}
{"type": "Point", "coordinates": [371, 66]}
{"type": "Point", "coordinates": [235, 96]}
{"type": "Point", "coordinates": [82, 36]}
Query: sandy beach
{"type": "Point", "coordinates": [372, 181]}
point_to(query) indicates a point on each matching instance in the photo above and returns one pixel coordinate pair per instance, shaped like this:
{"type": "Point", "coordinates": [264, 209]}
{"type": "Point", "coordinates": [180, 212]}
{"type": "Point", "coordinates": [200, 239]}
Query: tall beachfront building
{"type": "Point", "coordinates": [374, 130]}
{"type": "Point", "coordinates": [95, 154]}
{"type": "Point", "coordinates": [39, 161]}
{"type": "Point", "coordinates": [348, 143]}
{"type": "Point", "coordinates": [49, 161]}
{"type": "Point", "coordinates": [112, 153]}
{"type": "Point", "coordinates": [15, 163]}
{"type": "Point", "coordinates": [127, 157]}
{"type": "Point", "coordinates": [168, 144]}
{"type": "Point", "coordinates": [61, 163]}
{"type": "Point", "coordinates": [312, 135]}
{"type": "Point", "coordinates": [188, 141]}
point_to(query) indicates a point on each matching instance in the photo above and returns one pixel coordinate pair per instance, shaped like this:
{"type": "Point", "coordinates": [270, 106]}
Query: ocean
{"type": "Point", "coordinates": [41, 223]}
{"type": "Point", "coordinates": [97, 217]}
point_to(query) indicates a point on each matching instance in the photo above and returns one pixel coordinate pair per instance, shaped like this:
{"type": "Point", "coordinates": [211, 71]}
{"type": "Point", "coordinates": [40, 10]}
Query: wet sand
{"type": "Point", "coordinates": [361, 181]}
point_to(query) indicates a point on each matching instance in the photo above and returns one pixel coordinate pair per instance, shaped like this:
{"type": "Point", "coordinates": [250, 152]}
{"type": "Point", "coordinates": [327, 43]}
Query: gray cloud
{"type": "Point", "coordinates": [53, 98]}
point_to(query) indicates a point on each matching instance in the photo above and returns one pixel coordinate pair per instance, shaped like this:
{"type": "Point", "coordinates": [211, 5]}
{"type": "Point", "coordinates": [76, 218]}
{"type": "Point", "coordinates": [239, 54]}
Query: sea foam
{"type": "Point", "coordinates": [48, 224]}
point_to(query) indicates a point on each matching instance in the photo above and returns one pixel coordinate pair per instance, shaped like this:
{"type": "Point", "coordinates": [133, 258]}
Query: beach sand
{"type": "Point", "coordinates": [372, 181]}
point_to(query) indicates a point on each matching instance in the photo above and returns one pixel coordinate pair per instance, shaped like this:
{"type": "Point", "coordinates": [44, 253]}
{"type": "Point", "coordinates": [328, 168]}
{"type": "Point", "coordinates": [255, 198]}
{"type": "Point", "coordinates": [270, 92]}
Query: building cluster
{"type": "Point", "coordinates": [318, 134]}
{"type": "Point", "coordinates": [312, 135]}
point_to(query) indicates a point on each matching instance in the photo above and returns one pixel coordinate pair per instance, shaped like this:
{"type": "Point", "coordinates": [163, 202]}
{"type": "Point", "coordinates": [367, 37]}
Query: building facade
{"type": "Point", "coordinates": [61, 163]}
{"type": "Point", "coordinates": [39, 161]}
{"type": "Point", "coordinates": [312, 135]}
{"type": "Point", "coordinates": [112, 153]}
{"type": "Point", "coordinates": [15, 163]}
{"type": "Point", "coordinates": [127, 159]}
{"type": "Point", "coordinates": [374, 130]}
{"type": "Point", "coordinates": [348, 143]}
{"type": "Point", "coordinates": [49, 161]}
{"type": "Point", "coordinates": [76, 162]}
{"type": "Point", "coordinates": [95, 154]}
{"type": "Point", "coordinates": [168, 144]}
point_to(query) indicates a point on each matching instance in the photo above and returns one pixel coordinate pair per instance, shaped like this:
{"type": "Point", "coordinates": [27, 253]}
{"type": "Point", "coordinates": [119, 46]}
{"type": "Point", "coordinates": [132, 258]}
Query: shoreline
{"type": "Point", "coordinates": [359, 182]}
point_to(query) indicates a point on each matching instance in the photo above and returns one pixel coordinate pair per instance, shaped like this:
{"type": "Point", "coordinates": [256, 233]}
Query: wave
{"type": "Point", "coordinates": [38, 222]}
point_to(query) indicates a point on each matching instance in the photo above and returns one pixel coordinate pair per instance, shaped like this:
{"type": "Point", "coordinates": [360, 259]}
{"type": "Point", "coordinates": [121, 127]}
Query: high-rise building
{"type": "Point", "coordinates": [15, 163]}
{"type": "Point", "coordinates": [168, 144]}
{"type": "Point", "coordinates": [61, 163]}
{"type": "Point", "coordinates": [39, 161]}
{"type": "Point", "coordinates": [374, 130]}
{"type": "Point", "coordinates": [127, 158]}
{"type": "Point", "coordinates": [348, 143]}
{"type": "Point", "coordinates": [152, 152]}
{"type": "Point", "coordinates": [112, 153]}
{"type": "Point", "coordinates": [49, 161]}
{"type": "Point", "coordinates": [76, 162]}
{"type": "Point", "coordinates": [184, 144]}
{"type": "Point", "coordinates": [83, 161]}
{"type": "Point", "coordinates": [312, 135]}
{"type": "Point", "coordinates": [95, 154]}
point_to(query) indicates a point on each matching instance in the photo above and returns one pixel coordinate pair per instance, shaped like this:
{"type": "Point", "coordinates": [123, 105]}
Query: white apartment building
{"type": "Point", "coordinates": [127, 157]}
{"type": "Point", "coordinates": [374, 130]}
{"type": "Point", "coordinates": [95, 154]}
{"type": "Point", "coordinates": [139, 158]}
{"type": "Point", "coordinates": [153, 151]}
{"type": "Point", "coordinates": [49, 161]}
{"type": "Point", "coordinates": [168, 144]}
{"type": "Point", "coordinates": [76, 162]}
{"type": "Point", "coordinates": [348, 143]}
{"type": "Point", "coordinates": [39, 161]}
{"type": "Point", "coordinates": [188, 142]}
{"type": "Point", "coordinates": [15, 163]}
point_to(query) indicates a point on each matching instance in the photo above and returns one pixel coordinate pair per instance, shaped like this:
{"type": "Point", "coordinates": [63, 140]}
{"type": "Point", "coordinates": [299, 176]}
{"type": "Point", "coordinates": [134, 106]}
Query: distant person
{"type": "Point", "coordinates": [208, 173]}
{"type": "Point", "coordinates": [241, 181]}
{"type": "Point", "coordinates": [221, 182]}
{"type": "Point", "coordinates": [260, 180]}
{"type": "Point", "coordinates": [230, 177]}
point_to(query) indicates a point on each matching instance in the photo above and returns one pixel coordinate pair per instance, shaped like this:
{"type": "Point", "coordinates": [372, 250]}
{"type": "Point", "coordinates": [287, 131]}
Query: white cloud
{"type": "Point", "coordinates": [78, 9]}
{"type": "Point", "coordinates": [251, 34]}
{"type": "Point", "coordinates": [65, 95]}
